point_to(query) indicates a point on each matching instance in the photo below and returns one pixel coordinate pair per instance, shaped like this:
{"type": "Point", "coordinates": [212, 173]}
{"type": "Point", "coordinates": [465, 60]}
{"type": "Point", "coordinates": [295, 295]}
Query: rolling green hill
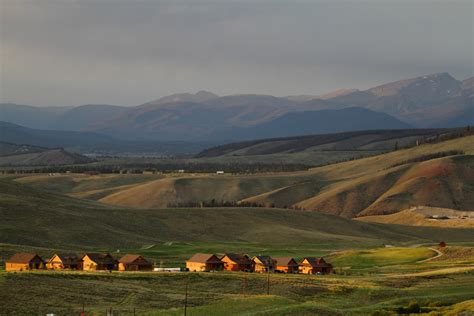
{"type": "Point", "coordinates": [44, 219]}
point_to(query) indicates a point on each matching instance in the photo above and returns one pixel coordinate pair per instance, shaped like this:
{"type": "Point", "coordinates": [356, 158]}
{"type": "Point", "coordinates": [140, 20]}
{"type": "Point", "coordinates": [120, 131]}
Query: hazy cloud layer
{"type": "Point", "coordinates": [130, 52]}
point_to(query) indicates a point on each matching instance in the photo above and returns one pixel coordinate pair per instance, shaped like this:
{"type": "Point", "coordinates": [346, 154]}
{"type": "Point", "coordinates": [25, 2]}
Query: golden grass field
{"type": "Point", "coordinates": [368, 186]}
{"type": "Point", "coordinates": [420, 216]}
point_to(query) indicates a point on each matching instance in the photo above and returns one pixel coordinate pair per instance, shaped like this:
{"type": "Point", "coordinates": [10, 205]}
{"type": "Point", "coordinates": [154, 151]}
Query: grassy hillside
{"type": "Point", "coordinates": [425, 216]}
{"type": "Point", "coordinates": [45, 219]}
{"type": "Point", "coordinates": [360, 140]}
{"type": "Point", "coordinates": [50, 157]}
{"type": "Point", "coordinates": [438, 175]}
{"type": "Point", "coordinates": [7, 149]}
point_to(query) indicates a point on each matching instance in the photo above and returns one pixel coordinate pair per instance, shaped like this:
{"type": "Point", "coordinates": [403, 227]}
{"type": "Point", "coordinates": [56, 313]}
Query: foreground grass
{"type": "Point", "coordinates": [229, 293]}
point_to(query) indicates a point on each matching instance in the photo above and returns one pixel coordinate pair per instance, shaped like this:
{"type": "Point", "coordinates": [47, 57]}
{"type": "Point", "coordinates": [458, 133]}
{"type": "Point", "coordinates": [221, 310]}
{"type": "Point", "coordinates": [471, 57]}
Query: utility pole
{"type": "Point", "coordinates": [268, 283]}
{"type": "Point", "coordinates": [186, 297]}
{"type": "Point", "coordinates": [244, 285]}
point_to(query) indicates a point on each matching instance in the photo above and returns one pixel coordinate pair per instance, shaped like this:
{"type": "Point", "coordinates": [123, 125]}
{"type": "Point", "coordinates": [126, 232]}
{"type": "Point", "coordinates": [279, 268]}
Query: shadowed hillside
{"type": "Point", "coordinates": [349, 141]}
{"type": "Point", "coordinates": [49, 157]}
{"type": "Point", "coordinates": [40, 218]}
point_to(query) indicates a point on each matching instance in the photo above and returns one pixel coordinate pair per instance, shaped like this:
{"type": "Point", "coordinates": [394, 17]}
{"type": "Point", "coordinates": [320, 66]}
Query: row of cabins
{"type": "Point", "coordinates": [198, 262]}
{"type": "Point", "coordinates": [242, 262]}
{"type": "Point", "coordinates": [86, 262]}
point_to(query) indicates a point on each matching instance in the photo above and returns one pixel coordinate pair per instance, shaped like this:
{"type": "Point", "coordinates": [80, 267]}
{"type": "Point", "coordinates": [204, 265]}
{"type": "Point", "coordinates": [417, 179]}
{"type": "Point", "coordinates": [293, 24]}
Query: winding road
{"type": "Point", "coordinates": [439, 254]}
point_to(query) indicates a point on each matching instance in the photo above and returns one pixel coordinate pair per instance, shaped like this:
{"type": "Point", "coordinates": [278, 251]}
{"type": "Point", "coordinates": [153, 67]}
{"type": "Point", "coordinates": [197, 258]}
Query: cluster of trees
{"type": "Point", "coordinates": [216, 203]}
{"type": "Point", "coordinates": [221, 203]}
{"type": "Point", "coordinates": [452, 134]}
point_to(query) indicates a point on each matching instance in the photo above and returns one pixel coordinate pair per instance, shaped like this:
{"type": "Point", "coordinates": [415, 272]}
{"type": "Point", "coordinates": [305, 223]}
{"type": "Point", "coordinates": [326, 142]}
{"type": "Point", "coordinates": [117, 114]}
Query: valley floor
{"type": "Point", "coordinates": [368, 282]}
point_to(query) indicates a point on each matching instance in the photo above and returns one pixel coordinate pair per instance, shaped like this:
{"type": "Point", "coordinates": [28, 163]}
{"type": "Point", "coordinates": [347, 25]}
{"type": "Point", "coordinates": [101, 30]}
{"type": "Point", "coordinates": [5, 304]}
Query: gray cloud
{"type": "Point", "coordinates": [129, 52]}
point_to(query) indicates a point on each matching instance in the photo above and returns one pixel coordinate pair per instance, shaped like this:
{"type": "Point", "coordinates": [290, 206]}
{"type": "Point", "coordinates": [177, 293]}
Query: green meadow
{"type": "Point", "coordinates": [380, 268]}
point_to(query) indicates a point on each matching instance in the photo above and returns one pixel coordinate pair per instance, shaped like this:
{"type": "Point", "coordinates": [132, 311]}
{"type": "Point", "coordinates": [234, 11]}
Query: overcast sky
{"type": "Point", "coordinates": [130, 52]}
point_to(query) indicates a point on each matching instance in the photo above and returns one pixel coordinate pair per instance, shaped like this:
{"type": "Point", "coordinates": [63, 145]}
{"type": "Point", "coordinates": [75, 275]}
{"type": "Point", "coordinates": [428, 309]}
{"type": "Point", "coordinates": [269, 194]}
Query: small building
{"type": "Point", "coordinates": [98, 261]}
{"type": "Point", "coordinates": [237, 262]}
{"type": "Point", "coordinates": [131, 262]}
{"type": "Point", "coordinates": [60, 261]}
{"type": "Point", "coordinates": [24, 261]}
{"type": "Point", "coordinates": [312, 265]}
{"type": "Point", "coordinates": [263, 264]}
{"type": "Point", "coordinates": [204, 262]}
{"type": "Point", "coordinates": [442, 244]}
{"type": "Point", "coordinates": [220, 172]}
{"type": "Point", "coordinates": [286, 265]}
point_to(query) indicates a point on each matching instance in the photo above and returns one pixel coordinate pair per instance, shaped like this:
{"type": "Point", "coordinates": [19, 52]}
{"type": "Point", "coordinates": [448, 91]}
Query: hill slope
{"type": "Point", "coordinates": [86, 142]}
{"type": "Point", "coordinates": [376, 185]}
{"type": "Point", "coordinates": [40, 218]}
{"type": "Point", "coordinates": [315, 122]}
{"type": "Point", "coordinates": [348, 141]}
{"type": "Point", "coordinates": [49, 157]}
{"type": "Point", "coordinates": [7, 149]}
{"type": "Point", "coordinates": [425, 216]}
{"type": "Point", "coordinates": [48, 138]}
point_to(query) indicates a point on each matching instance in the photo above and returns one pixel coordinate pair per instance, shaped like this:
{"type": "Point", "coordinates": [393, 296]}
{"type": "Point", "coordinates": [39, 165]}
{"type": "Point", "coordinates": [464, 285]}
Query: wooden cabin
{"type": "Point", "coordinates": [237, 262]}
{"type": "Point", "coordinates": [98, 261]}
{"type": "Point", "coordinates": [204, 262]}
{"type": "Point", "coordinates": [312, 265]}
{"type": "Point", "coordinates": [263, 264]}
{"type": "Point", "coordinates": [62, 261]}
{"type": "Point", "coordinates": [24, 261]}
{"type": "Point", "coordinates": [131, 262]}
{"type": "Point", "coordinates": [286, 265]}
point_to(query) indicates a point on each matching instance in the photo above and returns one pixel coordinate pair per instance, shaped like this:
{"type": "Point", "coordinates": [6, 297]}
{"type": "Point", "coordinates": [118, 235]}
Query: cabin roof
{"type": "Point", "coordinates": [204, 258]}
{"type": "Point", "coordinates": [131, 258]}
{"type": "Point", "coordinates": [265, 260]}
{"type": "Point", "coordinates": [285, 261]}
{"type": "Point", "coordinates": [239, 258]}
{"type": "Point", "coordinates": [23, 257]}
{"type": "Point", "coordinates": [316, 262]}
{"type": "Point", "coordinates": [101, 258]}
{"type": "Point", "coordinates": [70, 258]}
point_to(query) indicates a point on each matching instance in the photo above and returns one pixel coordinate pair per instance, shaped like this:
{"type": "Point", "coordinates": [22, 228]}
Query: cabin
{"type": "Point", "coordinates": [312, 265]}
{"type": "Point", "coordinates": [60, 261]}
{"type": "Point", "coordinates": [98, 261]}
{"type": "Point", "coordinates": [24, 262]}
{"type": "Point", "coordinates": [286, 265]}
{"type": "Point", "coordinates": [204, 262]}
{"type": "Point", "coordinates": [263, 264]}
{"type": "Point", "coordinates": [237, 262]}
{"type": "Point", "coordinates": [131, 262]}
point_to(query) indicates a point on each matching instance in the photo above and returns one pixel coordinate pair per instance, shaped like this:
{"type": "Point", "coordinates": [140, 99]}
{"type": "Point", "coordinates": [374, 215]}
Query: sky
{"type": "Point", "coordinates": [71, 52]}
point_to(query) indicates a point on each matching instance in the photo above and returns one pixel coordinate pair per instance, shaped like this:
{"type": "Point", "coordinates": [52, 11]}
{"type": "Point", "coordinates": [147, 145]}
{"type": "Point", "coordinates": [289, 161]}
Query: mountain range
{"type": "Point", "coordinates": [436, 100]}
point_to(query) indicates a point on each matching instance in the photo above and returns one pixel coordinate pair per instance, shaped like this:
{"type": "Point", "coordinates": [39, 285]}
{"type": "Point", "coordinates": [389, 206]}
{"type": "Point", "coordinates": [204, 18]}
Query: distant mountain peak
{"type": "Point", "coordinates": [442, 82]}
{"type": "Point", "coordinates": [200, 96]}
